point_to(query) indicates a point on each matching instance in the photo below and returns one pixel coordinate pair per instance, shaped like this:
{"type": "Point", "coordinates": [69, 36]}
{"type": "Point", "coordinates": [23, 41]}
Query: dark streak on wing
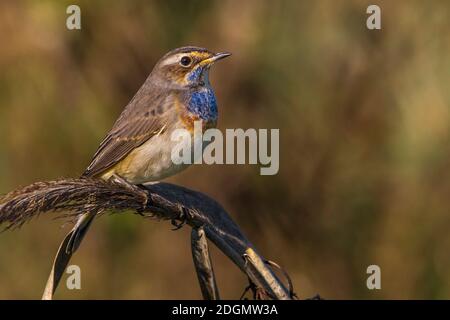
{"type": "Point", "coordinates": [140, 120]}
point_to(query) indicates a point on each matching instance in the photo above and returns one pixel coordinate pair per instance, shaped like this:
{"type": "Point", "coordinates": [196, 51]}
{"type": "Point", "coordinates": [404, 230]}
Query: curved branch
{"type": "Point", "coordinates": [73, 197]}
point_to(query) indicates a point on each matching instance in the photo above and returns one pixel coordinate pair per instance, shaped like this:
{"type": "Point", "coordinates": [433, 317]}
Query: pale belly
{"type": "Point", "coordinates": [150, 162]}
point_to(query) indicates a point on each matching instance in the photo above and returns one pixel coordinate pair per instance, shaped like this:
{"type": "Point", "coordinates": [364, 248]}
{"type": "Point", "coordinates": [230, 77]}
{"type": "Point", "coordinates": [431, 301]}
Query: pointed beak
{"type": "Point", "coordinates": [220, 55]}
{"type": "Point", "coordinates": [216, 57]}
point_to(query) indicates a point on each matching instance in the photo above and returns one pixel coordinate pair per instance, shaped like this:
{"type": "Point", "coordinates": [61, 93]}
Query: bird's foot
{"type": "Point", "coordinates": [145, 202]}
{"type": "Point", "coordinates": [139, 189]}
{"type": "Point", "coordinates": [184, 217]}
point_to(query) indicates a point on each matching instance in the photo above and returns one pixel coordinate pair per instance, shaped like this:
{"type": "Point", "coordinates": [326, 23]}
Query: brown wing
{"type": "Point", "coordinates": [145, 116]}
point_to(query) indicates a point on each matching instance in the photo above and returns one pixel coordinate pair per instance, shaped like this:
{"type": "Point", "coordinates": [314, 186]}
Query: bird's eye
{"type": "Point", "coordinates": [185, 61]}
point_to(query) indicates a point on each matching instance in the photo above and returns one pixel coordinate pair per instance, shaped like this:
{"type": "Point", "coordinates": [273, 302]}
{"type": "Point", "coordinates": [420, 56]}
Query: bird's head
{"type": "Point", "coordinates": [187, 66]}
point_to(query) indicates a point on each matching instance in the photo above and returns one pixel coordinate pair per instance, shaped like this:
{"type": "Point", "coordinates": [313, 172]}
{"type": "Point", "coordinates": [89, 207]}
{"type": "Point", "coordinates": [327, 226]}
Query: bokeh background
{"type": "Point", "coordinates": [364, 127]}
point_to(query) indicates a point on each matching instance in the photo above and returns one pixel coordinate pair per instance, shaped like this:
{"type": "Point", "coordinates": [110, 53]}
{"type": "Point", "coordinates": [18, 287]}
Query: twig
{"type": "Point", "coordinates": [203, 264]}
{"type": "Point", "coordinates": [59, 265]}
{"type": "Point", "coordinates": [262, 277]}
{"type": "Point", "coordinates": [73, 197]}
{"type": "Point", "coordinates": [292, 294]}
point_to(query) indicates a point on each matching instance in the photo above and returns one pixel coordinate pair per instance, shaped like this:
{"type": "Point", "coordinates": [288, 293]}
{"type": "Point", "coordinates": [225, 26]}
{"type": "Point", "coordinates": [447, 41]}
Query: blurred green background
{"type": "Point", "coordinates": [364, 127]}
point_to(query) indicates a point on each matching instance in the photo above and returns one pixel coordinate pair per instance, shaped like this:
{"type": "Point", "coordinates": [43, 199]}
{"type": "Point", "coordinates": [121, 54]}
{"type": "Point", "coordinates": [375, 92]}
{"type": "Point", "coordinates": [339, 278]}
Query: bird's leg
{"type": "Point", "coordinates": [140, 189]}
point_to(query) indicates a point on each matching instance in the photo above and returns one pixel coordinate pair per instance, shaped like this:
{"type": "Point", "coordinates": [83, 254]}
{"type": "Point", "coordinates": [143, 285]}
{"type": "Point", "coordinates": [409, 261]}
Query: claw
{"type": "Point", "coordinates": [177, 225]}
{"type": "Point", "coordinates": [184, 217]}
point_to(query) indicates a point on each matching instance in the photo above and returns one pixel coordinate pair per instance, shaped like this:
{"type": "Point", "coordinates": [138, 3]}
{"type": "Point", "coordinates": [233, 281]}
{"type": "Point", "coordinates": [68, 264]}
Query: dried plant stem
{"type": "Point", "coordinates": [74, 197]}
{"type": "Point", "coordinates": [59, 265]}
{"type": "Point", "coordinates": [203, 264]}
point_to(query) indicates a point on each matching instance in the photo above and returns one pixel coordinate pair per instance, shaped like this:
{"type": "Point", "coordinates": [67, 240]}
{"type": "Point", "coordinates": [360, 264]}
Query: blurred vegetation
{"type": "Point", "coordinates": [364, 126]}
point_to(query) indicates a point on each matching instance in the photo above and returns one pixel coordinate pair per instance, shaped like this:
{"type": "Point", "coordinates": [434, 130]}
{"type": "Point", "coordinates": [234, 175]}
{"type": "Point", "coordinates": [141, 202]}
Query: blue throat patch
{"type": "Point", "coordinates": [202, 101]}
{"type": "Point", "coordinates": [195, 75]}
{"type": "Point", "coordinates": [203, 104]}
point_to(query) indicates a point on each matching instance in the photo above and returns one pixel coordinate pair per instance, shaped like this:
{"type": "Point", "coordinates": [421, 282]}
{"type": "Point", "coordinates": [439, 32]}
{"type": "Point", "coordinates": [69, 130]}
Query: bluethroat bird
{"type": "Point", "coordinates": [138, 148]}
